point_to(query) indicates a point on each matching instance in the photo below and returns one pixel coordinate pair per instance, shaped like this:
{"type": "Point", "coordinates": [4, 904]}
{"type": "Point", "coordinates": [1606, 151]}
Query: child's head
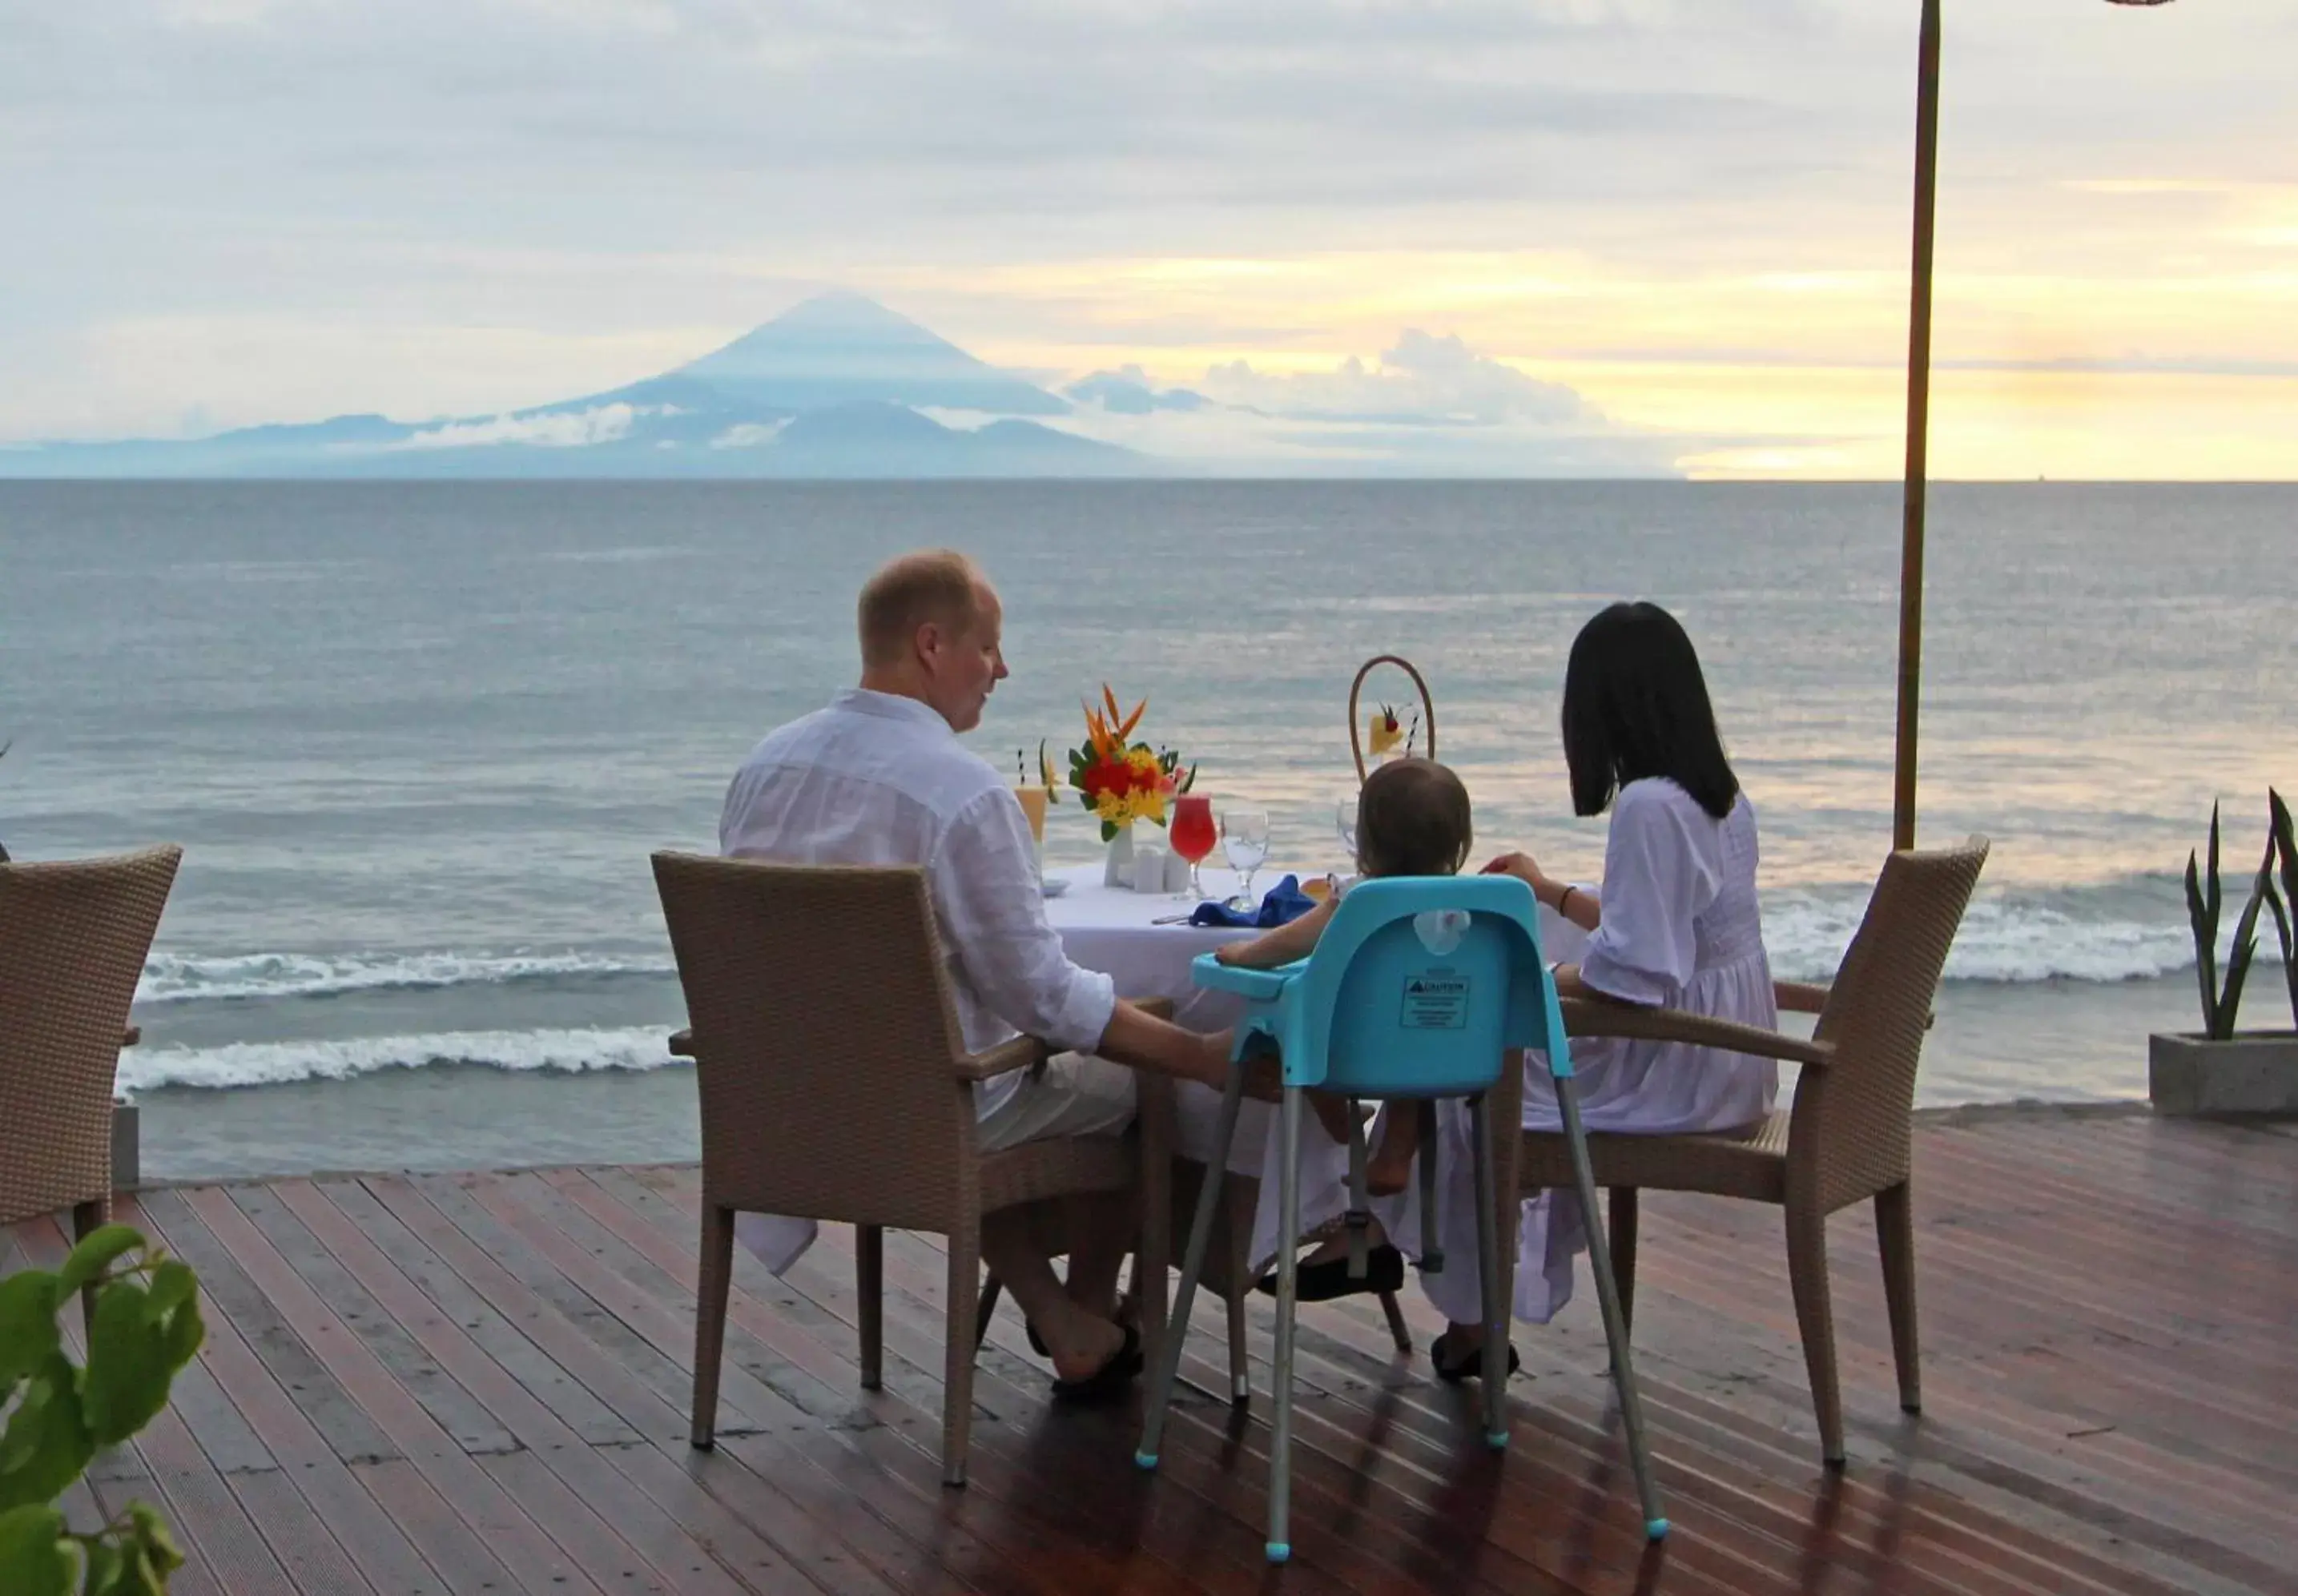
{"type": "Point", "coordinates": [1412, 819]}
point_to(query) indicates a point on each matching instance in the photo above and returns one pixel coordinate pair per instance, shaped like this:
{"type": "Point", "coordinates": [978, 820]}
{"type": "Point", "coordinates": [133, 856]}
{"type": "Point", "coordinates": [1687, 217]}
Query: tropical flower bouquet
{"type": "Point", "coordinates": [1121, 782]}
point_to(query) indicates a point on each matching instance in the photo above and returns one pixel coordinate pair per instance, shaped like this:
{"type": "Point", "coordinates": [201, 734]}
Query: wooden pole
{"type": "Point", "coordinates": [1919, 395]}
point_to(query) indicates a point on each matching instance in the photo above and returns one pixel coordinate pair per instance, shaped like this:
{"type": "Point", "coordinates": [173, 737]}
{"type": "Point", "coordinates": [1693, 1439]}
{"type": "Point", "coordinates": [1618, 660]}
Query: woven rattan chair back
{"type": "Point", "coordinates": [823, 1040]}
{"type": "Point", "coordinates": [1849, 1136]}
{"type": "Point", "coordinates": [73, 938]}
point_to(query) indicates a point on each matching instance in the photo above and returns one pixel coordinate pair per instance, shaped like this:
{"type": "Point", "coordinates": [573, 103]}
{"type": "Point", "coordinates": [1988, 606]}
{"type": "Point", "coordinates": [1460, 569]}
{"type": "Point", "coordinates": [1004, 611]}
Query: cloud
{"type": "Point", "coordinates": [1424, 380]}
{"type": "Point", "coordinates": [527, 184]}
{"type": "Point", "coordinates": [1128, 392]}
{"type": "Point", "coordinates": [748, 435]}
{"type": "Point", "coordinates": [559, 429]}
{"type": "Point", "coordinates": [1430, 405]}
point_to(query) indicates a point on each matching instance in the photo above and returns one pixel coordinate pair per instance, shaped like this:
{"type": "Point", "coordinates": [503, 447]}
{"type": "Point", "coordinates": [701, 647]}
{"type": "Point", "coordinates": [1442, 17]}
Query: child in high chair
{"type": "Point", "coordinates": [1412, 819]}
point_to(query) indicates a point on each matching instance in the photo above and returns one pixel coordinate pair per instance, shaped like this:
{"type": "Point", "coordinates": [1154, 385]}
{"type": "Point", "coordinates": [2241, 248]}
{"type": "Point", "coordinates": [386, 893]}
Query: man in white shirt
{"type": "Point", "coordinates": [879, 777]}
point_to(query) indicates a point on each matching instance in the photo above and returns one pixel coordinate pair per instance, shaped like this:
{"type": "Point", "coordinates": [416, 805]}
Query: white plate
{"type": "Point", "coordinates": [1053, 886]}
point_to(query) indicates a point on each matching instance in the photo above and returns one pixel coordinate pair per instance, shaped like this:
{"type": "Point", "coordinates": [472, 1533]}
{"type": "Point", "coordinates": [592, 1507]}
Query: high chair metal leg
{"type": "Point", "coordinates": [1608, 1296]}
{"type": "Point", "coordinates": [1432, 1247]}
{"type": "Point", "coordinates": [1488, 1257]}
{"type": "Point", "coordinates": [1289, 1291]}
{"type": "Point", "coordinates": [1192, 1267]}
{"type": "Point", "coordinates": [1358, 1219]}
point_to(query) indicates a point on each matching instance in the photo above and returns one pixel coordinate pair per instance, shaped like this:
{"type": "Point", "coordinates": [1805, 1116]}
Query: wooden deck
{"type": "Point", "coordinates": [477, 1383]}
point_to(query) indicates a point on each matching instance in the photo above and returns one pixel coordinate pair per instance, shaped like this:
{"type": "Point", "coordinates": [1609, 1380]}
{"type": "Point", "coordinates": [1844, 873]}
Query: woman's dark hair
{"type": "Point", "coordinates": [1412, 819]}
{"type": "Point", "coordinates": [1635, 706]}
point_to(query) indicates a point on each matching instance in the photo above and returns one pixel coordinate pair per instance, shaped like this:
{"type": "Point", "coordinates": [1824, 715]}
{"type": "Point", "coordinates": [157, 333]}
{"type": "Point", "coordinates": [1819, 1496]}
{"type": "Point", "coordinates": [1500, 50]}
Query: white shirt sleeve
{"type": "Point", "coordinates": [985, 889]}
{"type": "Point", "coordinates": [1658, 878]}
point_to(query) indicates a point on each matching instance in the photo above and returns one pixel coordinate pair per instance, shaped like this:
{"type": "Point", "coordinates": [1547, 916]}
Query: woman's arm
{"type": "Point", "coordinates": [1578, 904]}
{"type": "Point", "coordinates": [1569, 984]}
{"type": "Point", "coordinates": [1294, 940]}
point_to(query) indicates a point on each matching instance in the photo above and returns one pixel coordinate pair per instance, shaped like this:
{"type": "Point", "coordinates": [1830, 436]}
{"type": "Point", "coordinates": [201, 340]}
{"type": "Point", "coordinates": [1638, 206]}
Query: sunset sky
{"type": "Point", "coordinates": [1676, 225]}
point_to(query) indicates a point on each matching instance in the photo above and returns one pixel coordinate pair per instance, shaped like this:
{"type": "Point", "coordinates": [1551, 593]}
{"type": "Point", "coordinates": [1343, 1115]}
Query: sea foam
{"type": "Point", "coordinates": [275, 1064]}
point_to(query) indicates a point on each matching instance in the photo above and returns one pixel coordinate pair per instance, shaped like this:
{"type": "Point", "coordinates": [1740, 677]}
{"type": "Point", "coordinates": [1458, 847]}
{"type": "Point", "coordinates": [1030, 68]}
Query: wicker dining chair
{"type": "Point", "coordinates": [834, 1086]}
{"type": "Point", "coordinates": [1847, 1138]}
{"type": "Point", "coordinates": [73, 938]}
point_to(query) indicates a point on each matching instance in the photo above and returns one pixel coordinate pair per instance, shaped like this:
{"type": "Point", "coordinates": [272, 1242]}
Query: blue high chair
{"type": "Point", "coordinates": [1419, 989]}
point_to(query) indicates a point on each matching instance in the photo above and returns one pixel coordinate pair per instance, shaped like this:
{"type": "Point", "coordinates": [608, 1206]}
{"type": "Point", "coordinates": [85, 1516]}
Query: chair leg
{"type": "Point", "coordinates": [1895, 1230]}
{"type": "Point", "coordinates": [1432, 1247]}
{"type": "Point", "coordinates": [1488, 1266]}
{"type": "Point", "coordinates": [870, 1301]}
{"type": "Point", "coordinates": [1398, 1330]}
{"type": "Point", "coordinates": [1288, 1300]}
{"type": "Point", "coordinates": [87, 1219]}
{"type": "Point", "coordinates": [1192, 1267]}
{"type": "Point", "coordinates": [712, 1281]}
{"type": "Point", "coordinates": [1624, 1253]}
{"type": "Point", "coordinates": [957, 1360]}
{"type": "Point", "coordinates": [1807, 1231]}
{"type": "Point", "coordinates": [1608, 1289]}
{"type": "Point", "coordinates": [1240, 1362]}
{"type": "Point", "coordinates": [991, 1289]}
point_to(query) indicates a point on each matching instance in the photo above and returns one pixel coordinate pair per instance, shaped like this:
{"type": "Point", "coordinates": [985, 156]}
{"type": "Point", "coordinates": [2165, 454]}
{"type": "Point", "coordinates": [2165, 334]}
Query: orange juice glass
{"type": "Point", "coordinates": [1033, 804]}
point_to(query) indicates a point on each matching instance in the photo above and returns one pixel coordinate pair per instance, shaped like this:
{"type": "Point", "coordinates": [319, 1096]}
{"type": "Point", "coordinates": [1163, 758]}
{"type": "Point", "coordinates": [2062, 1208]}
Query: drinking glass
{"type": "Point", "coordinates": [1191, 836]}
{"type": "Point", "coordinates": [1344, 819]}
{"type": "Point", "coordinates": [1033, 800]}
{"type": "Point", "coordinates": [1244, 839]}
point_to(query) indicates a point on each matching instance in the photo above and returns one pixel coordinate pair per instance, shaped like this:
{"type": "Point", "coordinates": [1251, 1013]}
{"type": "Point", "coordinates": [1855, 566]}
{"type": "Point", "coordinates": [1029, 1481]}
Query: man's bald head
{"type": "Point", "coordinates": [933, 586]}
{"type": "Point", "coordinates": [931, 628]}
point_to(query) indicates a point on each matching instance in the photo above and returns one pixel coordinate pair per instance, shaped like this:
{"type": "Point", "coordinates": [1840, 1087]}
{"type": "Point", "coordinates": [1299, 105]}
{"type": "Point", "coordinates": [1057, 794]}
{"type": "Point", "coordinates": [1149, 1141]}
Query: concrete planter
{"type": "Point", "coordinates": [2255, 1072]}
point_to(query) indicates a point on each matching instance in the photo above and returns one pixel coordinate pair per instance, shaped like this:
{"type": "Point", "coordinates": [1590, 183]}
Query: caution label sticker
{"type": "Point", "coordinates": [1435, 1002]}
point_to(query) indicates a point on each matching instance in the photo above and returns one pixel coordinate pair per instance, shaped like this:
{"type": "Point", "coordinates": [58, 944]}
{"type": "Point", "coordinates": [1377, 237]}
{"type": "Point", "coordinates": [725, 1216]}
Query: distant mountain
{"type": "Point", "coordinates": [832, 388]}
{"type": "Point", "coordinates": [842, 349]}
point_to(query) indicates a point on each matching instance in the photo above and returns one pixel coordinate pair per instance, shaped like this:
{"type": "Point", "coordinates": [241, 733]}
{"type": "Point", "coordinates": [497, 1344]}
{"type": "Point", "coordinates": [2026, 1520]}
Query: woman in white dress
{"type": "Point", "coordinates": [1673, 924]}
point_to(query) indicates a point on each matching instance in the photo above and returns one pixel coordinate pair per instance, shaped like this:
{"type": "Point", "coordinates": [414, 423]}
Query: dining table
{"type": "Point", "coordinates": [1144, 941]}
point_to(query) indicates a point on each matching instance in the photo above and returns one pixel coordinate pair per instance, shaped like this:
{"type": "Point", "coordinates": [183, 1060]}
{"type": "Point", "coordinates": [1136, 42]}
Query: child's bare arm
{"type": "Point", "coordinates": [1281, 946]}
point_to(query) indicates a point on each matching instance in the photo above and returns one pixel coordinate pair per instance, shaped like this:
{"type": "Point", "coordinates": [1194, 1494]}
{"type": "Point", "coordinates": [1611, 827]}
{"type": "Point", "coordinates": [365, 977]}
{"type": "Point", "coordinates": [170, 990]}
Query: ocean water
{"type": "Point", "coordinates": [418, 739]}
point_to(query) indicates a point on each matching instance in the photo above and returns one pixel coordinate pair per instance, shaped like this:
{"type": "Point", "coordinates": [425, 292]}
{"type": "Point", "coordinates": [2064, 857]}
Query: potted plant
{"type": "Point", "coordinates": [143, 1327]}
{"type": "Point", "coordinates": [2218, 1070]}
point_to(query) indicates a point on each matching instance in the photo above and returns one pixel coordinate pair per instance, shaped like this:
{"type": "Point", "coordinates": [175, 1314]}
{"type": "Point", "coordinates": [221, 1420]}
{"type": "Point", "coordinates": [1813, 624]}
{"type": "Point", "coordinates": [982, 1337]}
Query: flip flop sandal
{"type": "Point", "coordinates": [1323, 1282]}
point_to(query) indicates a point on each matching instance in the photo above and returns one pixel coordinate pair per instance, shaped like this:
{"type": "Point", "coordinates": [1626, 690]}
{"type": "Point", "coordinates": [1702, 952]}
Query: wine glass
{"type": "Point", "coordinates": [1245, 840]}
{"type": "Point", "coordinates": [1345, 820]}
{"type": "Point", "coordinates": [1191, 836]}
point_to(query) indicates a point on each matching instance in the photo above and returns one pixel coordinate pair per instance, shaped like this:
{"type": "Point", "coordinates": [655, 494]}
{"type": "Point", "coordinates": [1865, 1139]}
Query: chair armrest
{"type": "Point", "coordinates": [1586, 1017]}
{"type": "Point", "coordinates": [1027, 1052]}
{"type": "Point", "coordinates": [681, 1044]}
{"type": "Point", "coordinates": [131, 1035]}
{"type": "Point", "coordinates": [1020, 1052]}
{"type": "Point", "coordinates": [1798, 997]}
{"type": "Point", "coordinates": [1257, 986]}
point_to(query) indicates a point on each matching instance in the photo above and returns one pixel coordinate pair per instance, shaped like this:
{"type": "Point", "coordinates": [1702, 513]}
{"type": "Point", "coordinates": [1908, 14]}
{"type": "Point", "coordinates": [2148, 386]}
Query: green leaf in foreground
{"type": "Point", "coordinates": [36, 1559]}
{"type": "Point", "coordinates": [105, 1246]}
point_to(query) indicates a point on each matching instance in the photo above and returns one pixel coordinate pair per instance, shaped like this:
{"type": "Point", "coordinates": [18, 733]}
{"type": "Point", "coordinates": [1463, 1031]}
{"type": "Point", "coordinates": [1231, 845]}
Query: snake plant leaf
{"type": "Point", "coordinates": [2205, 922]}
{"type": "Point", "coordinates": [2286, 846]}
{"type": "Point", "coordinates": [2239, 956]}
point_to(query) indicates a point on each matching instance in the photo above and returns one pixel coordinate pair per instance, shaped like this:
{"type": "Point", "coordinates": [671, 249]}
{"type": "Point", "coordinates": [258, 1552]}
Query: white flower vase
{"type": "Point", "coordinates": [1117, 870]}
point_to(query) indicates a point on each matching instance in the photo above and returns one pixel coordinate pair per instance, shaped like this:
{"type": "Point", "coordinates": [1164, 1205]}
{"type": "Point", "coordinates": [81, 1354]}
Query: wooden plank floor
{"type": "Point", "coordinates": [477, 1384]}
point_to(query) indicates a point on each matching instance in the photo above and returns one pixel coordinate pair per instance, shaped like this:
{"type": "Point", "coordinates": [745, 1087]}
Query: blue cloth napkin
{"type": "Point", "coordinates": [1284, 903]}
